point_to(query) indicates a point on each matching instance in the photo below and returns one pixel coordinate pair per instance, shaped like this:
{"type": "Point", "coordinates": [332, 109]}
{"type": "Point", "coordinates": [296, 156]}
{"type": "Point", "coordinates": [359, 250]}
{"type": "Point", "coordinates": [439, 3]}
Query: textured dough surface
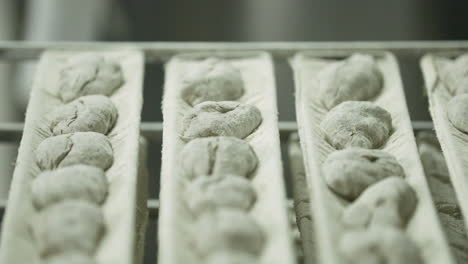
{"type": "Point", "coordinates": [231, 230]}
{"type": "Point", "coordinates": [220, 191]}
{"type": "Point", "coordinates": [217, 156]}
{"type": "Point", "coordinates": [87, 74]}
{"type": "Point", "coordinates": [328, 207]}
{"type": "Point", "coordinates": [176, 221]}
{"type": "Point", "coordinates": [120, 207]}
{"type": "Point", "coordinates": [88, 148]}
{"type": "Point", "coordinates": [455, 75]}
{"type": "Point", "coordinates": [390, 202]}
{"type": "Point", "coordinates": [457, 112]}
{"type": "Point", "coordinates": [357, 124]}
{"type": "Point", "coordinates": [213, 80]}
{"type": "Point", "coordinates": [69, 226]}
{"type": "Point", "coordinates": [92, 113]}
{"type": "Point", "coordinates": [226, 118]}
{"type": "Point", "coordinates": [356, 78]}
{"type": "Point", "coordinates": [350, 171]}
{"type": "Point", "coordinates": [77, 182]}
{"type": "Point", "coordinates": [379, 245]}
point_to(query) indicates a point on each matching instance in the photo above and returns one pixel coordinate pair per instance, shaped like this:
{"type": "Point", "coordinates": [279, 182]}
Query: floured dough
{"type": "Point", "coordinates": [227, 229]}
{"type": "Point", "coordinates": [217, 156]}
{"type": "Point", "coordinates": [87, 74]}
{"type": "Point", "coordinates": [212, 80]}
{"type": "Point", "coordinates": [455, 75]}
{"type": "Point", "coordinates": [77, 182]}
{"type": "Point", "coordinates": [355, 79]}
{"type": "Point", "coordinates": [457, 112]}
{"type": "Point", "coordinates": [221, 119]}
{"type": "Point", "coordinates": [69, 226]}
{"type": "Point", "coordinates": [89, 148]}
{"type": "Point", "coordinates": [357, 124]}
{"type": "Point", "coordinates": [379, 246]}
{"type": "Point", "coordinates": [349, 172]}
{"type": "Point", "coordinates": [94, 113]}
{"type": "Point", "coordinates": [220, 191]}
{"type": "Point", "coordinates": [390, 202]}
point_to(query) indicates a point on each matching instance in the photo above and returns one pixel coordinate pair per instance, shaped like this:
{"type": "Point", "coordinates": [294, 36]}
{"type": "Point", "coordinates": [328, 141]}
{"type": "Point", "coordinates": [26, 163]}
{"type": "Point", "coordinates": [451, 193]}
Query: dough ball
{"type": "Point", "coordinates": [349, 172]}
{"type": "Point", "coordinates": [88, 148]}
{"type": "Point", "coordinates": [228, 230]}
{"type": "Point", "coordinates": [76, 182]}
{"type": "Point", "coordinates": [455, 75]}
{"type": "Point", "coordinates": [457, 112]}
{"type": "Point", "coordinates": [357, 124]}
{"type": "Point", "coordinates": [390, 202]}
{"type": "Point", "coordinates": [92, 113]}
{"type": "Point", "coordinates": [212, 80]}
{"type": "Point", "coordinates": [355, 79]}
{"type": "Point", "coordinates": [379, 245]}
{"type": "Point", "coordinates": [217, 156]}
{"type": "Point", "coordinates": [220, 191]}
{"type": "Point", "coordinates": [69, 226]}
{"type": "Point", "coordinates": [221, 119]}
{"type": "Point", "coordinates": [87, 74]}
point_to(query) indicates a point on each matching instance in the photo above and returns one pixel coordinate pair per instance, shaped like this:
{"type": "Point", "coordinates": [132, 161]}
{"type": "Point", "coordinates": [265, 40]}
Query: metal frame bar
{"type": "Point", "coordinates": [12, 131]}
{"type": "Point", "coordinates": [161, 51]}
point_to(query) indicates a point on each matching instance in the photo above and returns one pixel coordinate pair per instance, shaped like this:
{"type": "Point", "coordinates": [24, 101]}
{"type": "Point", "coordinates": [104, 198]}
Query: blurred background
{"type": "Point", "coordinates": [214, 20]}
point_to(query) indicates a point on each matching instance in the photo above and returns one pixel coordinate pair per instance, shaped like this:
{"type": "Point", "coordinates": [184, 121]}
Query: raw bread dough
{"type": "Point", "coordinates": [455, 75]}
{"type": "Point", "coordinates": [221, 119]}
{"type": "Point", "coordinates": [217, 156]}
{"type": "Point", "coordinates": [77, 182]}
{"type": "Point", "coordinates": [212, 80]}
{"type": "Point", "coordinates": [220, 191]}
{"type": "Point", "coordinates": [70, 258]}
{"type": "Point", "coordinates": [231, 257]}
{"type": "Point", "coordinates": [94, 113]}
{"type": "Point", "coordinates": [69, 226]}
{"type": "Point", "coordinates": [87, 74]}
{"type": "Point", "coordinates": [228, 230]}
{"type": "Point", "coordinates": [457, 111]}
{"type": "Point", "coordinates": [355, 79]}
{"type": "Point", "coordinates": [350, 171]}
{"type": "Point", "coordinates": [88, 148]}
{"type": "Point", "coordinates": [379, 246]}
{"type": "Point", "coordinates": [357, 124]}
{"type": "Point", "coordinates": [390, 202]}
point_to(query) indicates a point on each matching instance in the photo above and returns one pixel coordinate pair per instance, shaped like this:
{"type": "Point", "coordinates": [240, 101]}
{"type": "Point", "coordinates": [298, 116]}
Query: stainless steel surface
{"type": "Point", "coordinates": [161, 51]}
{"type": "Point", "coordinates": [153, 130]}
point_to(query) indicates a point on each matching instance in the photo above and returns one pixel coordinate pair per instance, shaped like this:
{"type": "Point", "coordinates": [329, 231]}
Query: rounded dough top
{"type": "Point", "coordinates": [212, 80]}
{"type": "Point", "coordinates": [87, 74]}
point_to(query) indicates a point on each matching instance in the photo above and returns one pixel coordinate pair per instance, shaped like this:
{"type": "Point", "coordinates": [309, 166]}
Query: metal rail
{"type": "Point", "coordinates": [161, 51]}
{"type": "Point", "coordinates": [12, 131]}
